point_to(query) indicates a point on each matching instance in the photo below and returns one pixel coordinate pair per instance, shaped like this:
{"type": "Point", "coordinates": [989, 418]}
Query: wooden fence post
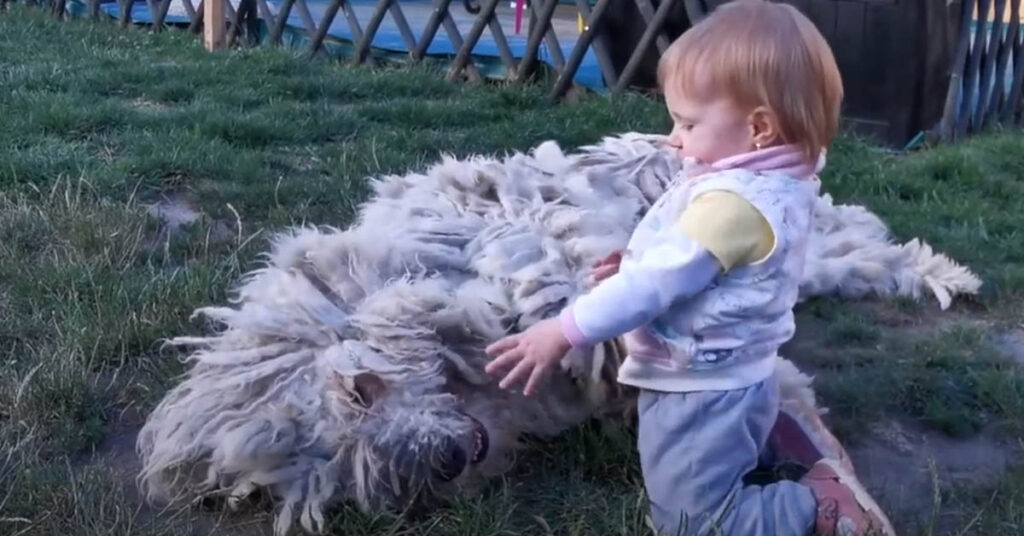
{"type": "Point", "coordinates": [213, 24]}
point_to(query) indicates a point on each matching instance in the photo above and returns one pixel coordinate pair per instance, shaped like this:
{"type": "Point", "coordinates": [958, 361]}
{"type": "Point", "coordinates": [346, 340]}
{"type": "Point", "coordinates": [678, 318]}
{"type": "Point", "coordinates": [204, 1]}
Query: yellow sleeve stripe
{"type": "Point", "coordinates": [729, 227]}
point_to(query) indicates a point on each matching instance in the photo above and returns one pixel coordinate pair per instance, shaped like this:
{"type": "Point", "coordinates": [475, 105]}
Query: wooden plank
{"type": "Point", "coordinates": [533, 41]}
{"type": "Point", "coordinates": [554, 48]}
{"type": "Point", "coordinates": [988, 84]}
{"type": "Point", "coordinates": [189, 10]}
{"type": "Point", "coordinates": [213, 25]}
{"type": "Point", "coordinates": [196, 25]}
{"type": "Point", "coordinates": [266, 14]}
{"type": "Point", "coordinates": [507, 58]}
{"type": "Point", "coordinates": [403, 26]}
{"type": "Point", "coordinates": [1012, 106]}
{"type": "Point", "coordinates": [161, 14]}
{"type": "Point", "coordinates": [153, 12]}
{"type": "Point", "coordinates": [823, 15]}
{"type": "Point", "coordinates": [951, 115]}
{"type": "Point", "coordinates": [94, 8]}
{"type": "Point", "coordinates": [282, 19]}
{"type": "Point", "coordinates": [363, 45]}
{"type": "Point", "coordinates": [463, 54]}
{"type": "Point", "coordinates": [695, 10]}
{"type": "Point", "coordinates": [307, 18]}
{"type": "Point", "coordinates": [1007, 44]}
{"type": "Point", "coordinates": [438, 14]}
{"type": "Point", "coordinates": [641, 48]}
{"type": "Point", "coordinates": [971, 73]}
{"type": "Point", "coordinates": [455, 37]}
{"type": "Point", "coordinates": [325, 24]}
{"type": "Point", "coordinates": [234, 22]}
{"type": "Point", "coordinates": [126, 12]}
{"type": "Point", "coordinates": [1015, 43]}
{"type": "Point", "coordinates": [597, 40]}
{"type": "Point", "coordinates": [572, 64]}
{"type": "Point", "coordinates": [647, 12]}
{"type": "Point", "coordinates": [888, 76]}
{"type": "Point", "coordinates": [848, 44]}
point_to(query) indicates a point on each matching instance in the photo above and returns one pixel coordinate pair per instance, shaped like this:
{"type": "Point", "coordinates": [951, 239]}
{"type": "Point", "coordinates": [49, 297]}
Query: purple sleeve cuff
{"type": "Point", "coordinates": [571, 330]}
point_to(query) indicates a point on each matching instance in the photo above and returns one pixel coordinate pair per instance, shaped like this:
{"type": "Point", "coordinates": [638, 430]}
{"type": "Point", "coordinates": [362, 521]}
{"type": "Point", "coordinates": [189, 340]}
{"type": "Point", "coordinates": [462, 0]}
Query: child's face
{"type": "Point", "coordinates": [708, 129]}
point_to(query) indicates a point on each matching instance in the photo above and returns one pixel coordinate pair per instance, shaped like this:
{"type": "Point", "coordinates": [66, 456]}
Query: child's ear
{"type": "Point", "coordinates": [764, 130]}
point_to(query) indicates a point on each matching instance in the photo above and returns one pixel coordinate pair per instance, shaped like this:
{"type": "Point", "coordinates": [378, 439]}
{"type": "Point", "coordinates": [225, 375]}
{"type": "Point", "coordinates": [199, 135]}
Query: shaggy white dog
{"type": "Point", "coordinates": [351, 367]}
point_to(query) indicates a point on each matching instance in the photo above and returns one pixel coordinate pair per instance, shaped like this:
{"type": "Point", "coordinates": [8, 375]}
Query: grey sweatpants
{"type": "Point", "coordinates": [695, 449]}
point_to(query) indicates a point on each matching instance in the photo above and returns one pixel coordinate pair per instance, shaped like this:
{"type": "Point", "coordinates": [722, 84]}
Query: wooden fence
{"type": "Point", "coordinates": [962, 69]}
{"type": "Point", "coordinates": [988, 70]}
{"type": "Point", "coordinates": [252, 21]}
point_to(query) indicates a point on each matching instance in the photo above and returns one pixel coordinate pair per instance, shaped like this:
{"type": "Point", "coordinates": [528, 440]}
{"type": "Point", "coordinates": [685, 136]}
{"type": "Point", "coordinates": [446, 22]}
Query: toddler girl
{"type": "Point", "coordinates": [704, 293]}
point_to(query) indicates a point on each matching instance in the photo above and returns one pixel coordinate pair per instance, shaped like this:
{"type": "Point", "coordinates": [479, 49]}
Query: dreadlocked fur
{"type": "Point", "coordinates": [351, 366]}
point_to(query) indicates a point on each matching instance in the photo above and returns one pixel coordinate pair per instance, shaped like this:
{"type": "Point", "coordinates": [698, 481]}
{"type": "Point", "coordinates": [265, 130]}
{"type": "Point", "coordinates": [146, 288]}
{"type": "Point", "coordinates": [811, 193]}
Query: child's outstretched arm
{"type": "Point", "coordinates": [718, 231]}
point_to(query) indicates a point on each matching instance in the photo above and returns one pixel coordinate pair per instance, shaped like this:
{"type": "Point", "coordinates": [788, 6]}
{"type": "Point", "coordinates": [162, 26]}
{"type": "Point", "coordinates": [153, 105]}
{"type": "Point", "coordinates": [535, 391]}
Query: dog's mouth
{"type": "Point", "coordinates": [481, 441]}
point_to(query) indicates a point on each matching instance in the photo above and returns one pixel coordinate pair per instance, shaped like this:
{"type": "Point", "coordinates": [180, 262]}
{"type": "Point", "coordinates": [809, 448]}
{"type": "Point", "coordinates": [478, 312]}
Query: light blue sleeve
{"type": "Point", "coordinates": [675, 267]}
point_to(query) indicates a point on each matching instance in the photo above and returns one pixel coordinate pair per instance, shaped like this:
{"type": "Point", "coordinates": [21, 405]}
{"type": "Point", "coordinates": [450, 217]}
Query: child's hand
{"type": "Point", "coordinates": [606, 267]}
{"type": "Point", "coordinates": [530, 354]}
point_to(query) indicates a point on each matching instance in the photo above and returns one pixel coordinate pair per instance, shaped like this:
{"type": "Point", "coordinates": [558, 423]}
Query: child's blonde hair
{"type": "Point", "coordinates": [760, 53]}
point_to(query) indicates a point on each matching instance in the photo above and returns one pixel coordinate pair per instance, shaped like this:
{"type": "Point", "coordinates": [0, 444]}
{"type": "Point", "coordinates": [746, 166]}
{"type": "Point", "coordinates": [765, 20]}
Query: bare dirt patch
{"type": "Point", "coordinates": [907, 467]}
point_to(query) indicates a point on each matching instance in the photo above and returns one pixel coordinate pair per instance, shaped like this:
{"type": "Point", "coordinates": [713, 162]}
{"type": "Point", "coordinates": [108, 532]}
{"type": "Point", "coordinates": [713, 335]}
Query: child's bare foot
{"type": "Point", "coordinates": [845, 508]}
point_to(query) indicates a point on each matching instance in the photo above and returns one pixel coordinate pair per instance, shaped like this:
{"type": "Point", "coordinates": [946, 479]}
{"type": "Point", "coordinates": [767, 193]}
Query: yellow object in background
{"type": "Point", "coordinates": [579, 21]}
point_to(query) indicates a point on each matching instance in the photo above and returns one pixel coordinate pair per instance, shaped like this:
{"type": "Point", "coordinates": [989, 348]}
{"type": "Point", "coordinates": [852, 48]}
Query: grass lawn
{"type": "Point", "coordinates": [97, 123]}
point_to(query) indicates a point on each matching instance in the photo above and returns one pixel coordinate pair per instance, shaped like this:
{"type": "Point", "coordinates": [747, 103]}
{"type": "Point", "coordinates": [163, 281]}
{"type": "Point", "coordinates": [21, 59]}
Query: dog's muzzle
{"type": "Point", "coordinates": [455, 459]}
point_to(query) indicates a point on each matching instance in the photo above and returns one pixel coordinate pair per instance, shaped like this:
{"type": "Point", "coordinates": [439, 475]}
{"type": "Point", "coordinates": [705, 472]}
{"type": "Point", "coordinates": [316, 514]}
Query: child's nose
{"type": "Point", "coordinates": [675, 140]}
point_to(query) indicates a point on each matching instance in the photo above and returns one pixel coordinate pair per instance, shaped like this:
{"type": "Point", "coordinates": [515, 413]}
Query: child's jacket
{"type": "Point", "coordinates": [706, 289]}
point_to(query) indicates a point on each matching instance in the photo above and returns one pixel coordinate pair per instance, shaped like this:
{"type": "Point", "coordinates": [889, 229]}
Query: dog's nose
{"type": "Point", "coordinates": [453, 462]}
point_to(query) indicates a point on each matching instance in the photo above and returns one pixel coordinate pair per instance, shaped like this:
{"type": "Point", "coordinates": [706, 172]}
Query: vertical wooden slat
{"type": "Point", "coordinates": [430, 30]}
{"type": "Point", "coordinates": [282, 20]}
{"type": "Point", "coordinates": [993, 45]}
{"type": "Point", "coordinates": [353, 20]}
{"type": "Point", "coordinates": [1013, 102]}
{"type": "Point", "coordinates": [951, 115]}
{"type": "Point", "coordinates": [971, 74]}
{"type": "Point", "coordinates": [234, 21]}
{"type": "Point", "coordinates": [597, 40]}
{"type": "Point", "coordinates": [306, 16]}
{"type": "Point", "coordinates": [507, 58]}
{"type": "Point", "coordinates": [403, 26]}
{"type": "Point", "coordinates": [850, 33]}
{"type": "Point", "coordinates": [325, 25]}
{"type": "Point", "coordinates": [197, 22]}
{"type": "Point", "coordinates": [161, 14]}
{"type": "Point", "coordinates": [363, 45]}
{"type": "Point", "coordinates": [533, 41]}
{"type": "Point", "coordinates": [152, 13]}
{"type": "Point", "coordinates": [247, 16]}
{"type": "Point", "coordinates": [572, 64]}
{"type": "Point", "coordinates": [554, 48]}
{"type": "Point", "coordinates": [455, 37]}
{"type": "Point", "coordinates": [462, 56]}
{"type": "Point", "coordinates": [266, 13]}
{"type": "Point", "coordinates": [641, 48]}
{"type": "Point", "coordinates": [1006, 47]}
{"type": "Point", "coordinates": [647, 12]}
{"type": "Point", "coordinates": [189, 10]}
{"type": "Point", "coordinates": [126, 12]}
{"type": "Point", "coordinates": [213, 24]}
{"type": "Point", "coordinates": [695, 10]}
